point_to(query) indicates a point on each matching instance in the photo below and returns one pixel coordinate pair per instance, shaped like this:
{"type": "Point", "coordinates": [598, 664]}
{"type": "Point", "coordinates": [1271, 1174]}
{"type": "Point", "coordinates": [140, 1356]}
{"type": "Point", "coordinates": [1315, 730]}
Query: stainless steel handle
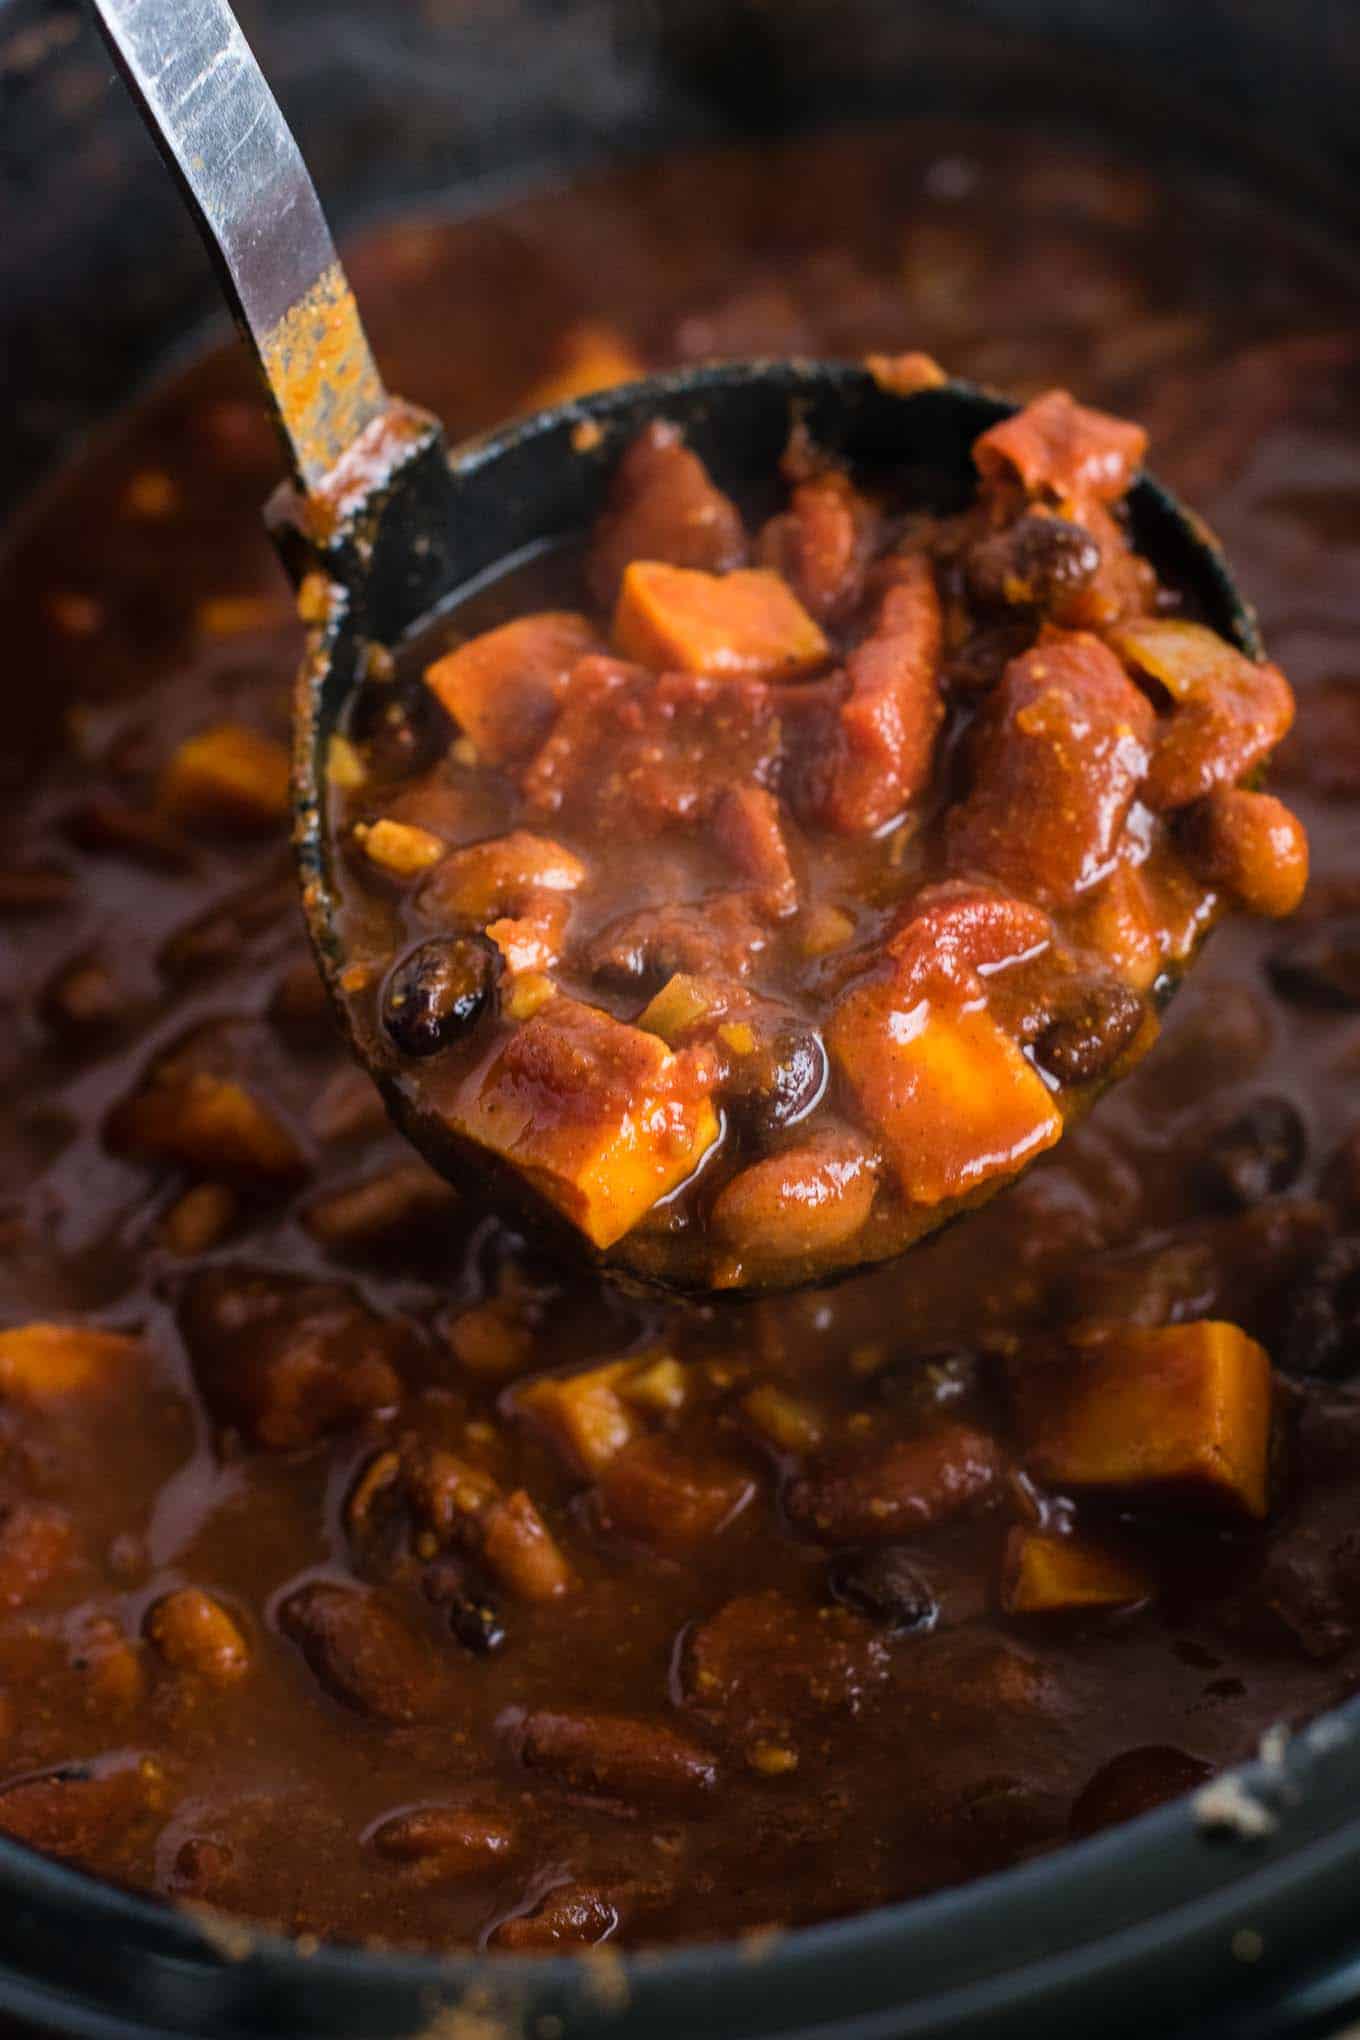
{"type": "Point", "coordinates": [219, 126]}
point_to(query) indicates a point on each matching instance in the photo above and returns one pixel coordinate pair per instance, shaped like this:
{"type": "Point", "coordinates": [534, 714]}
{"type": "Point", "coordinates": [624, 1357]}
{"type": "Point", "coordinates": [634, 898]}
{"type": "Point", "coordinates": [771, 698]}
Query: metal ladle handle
{"type": "Point", "coordinates": [220, 128]}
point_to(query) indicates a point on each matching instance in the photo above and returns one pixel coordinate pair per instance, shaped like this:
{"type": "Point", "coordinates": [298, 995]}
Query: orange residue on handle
{"type": "Point", "coordinates": [323, 377]}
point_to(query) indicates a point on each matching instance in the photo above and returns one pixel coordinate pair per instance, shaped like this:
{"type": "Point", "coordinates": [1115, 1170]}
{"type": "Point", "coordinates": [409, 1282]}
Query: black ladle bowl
{"type": "Point", "coordinates": [385, 527]}
{"type": "Point", "coordinates": [438, 523]}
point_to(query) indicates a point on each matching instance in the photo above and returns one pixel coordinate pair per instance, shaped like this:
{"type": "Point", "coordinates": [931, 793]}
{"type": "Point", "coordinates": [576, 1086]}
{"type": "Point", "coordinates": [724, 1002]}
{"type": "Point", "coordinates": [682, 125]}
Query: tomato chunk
{"type": "Point", "coordinates": [1059, 763]}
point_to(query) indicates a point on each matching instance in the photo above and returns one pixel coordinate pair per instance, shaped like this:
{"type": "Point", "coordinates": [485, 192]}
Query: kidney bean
{"type": "Point", "coordinates": [617, 1755]}
{"type": "Point", "coordinates": [874, 1494]}
{"type": "Point", "coordinates": [364, 1653]}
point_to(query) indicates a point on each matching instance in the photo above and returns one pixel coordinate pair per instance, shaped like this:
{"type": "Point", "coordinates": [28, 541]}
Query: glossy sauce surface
{"type": "Point", "coordinates": [753, 1693]}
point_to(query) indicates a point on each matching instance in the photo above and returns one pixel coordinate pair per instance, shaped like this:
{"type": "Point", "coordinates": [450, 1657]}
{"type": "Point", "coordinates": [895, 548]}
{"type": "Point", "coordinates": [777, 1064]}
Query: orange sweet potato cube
{"type": "Point", "coordinates": [947, 1094]}
{"type": "Point", "coordinates": [748, 623]}
{"type": "Point", "coordinates": [584, 1413]}
{"type": "Point", "coordinates": [1176, 1410]}
{"type": "Point", "coordinates": [42, 1363]}
{"type": "Point", "coordinates": [600, 1117]}
{"type": "Point", "coordinates": [1046, 1575]}
{"type": "Point", "coordinates": [227, 776]}
{"type": "Point", "coordinates": [503, 688]}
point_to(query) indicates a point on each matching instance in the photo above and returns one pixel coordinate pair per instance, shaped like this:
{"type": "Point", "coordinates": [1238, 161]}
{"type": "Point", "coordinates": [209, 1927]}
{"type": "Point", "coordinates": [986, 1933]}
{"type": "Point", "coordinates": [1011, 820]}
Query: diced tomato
{"type": "Point", "coordinates": [663, 506]}
{"type": "Point", "coordinates": [1062, 755]}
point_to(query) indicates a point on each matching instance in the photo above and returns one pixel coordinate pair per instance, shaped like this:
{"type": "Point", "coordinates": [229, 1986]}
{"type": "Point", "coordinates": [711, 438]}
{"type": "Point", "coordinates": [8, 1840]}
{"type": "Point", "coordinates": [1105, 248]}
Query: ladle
{"type": "Point", "coordinates": [391, 523]}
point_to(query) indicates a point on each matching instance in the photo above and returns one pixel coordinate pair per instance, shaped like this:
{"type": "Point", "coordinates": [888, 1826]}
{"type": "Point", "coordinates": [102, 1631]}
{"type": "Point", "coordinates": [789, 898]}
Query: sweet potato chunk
{"type": "Point", "coordinates": [1047, 1575]}
{"type": "Point", "coordinates": [949, 1097]}
{"type": "Point", "coordinates": [879, 1492]}
{"type": "Point", "coordinates": [632, 752]}
{"type": "Point", "coordinates": [1251, 846]}
{"type": "Point", "coordinates": [227, 777]}
{"type": "Point", "coordinates": [663, 506]}
{"type": "Point", "coordinates": [806, 1199]}
{"type": "Point", "coordinates": [1228, 715]}
{"type": "Point", "coordinates": [43, 1363]}
{"type": "Point", "coordinates": [1181, 1411]}
{"type": "Point", "coordinates": [584, 1413]}
{"type": "Point", "coordinates": [502, 688]}
{"type": "Point", "coordinates": [667, 1498]}
{"type": "Point", "coordinates": [600, 1117]}
{"type": "Point", "coordinates": [1064, 749]}
{"type": "Point", "coordinates": [619, 1756]}
{"type": "Point", "coordinates": [196, 1106]}
{"type": "Point", "coordinates": [1062, 451]}
{"type": "Point", "coordinates": [747, 624]}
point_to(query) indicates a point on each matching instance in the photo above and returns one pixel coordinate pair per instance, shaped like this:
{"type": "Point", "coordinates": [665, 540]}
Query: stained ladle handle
{"type": "Point", "coordinates": [220, 128]}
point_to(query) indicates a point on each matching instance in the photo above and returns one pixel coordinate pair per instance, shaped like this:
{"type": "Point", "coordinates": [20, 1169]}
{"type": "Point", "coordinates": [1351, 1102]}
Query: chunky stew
{"type": "Point", "coordinates": [792, 892]}
{"type": "Point", "coordinates": [368, 1570]}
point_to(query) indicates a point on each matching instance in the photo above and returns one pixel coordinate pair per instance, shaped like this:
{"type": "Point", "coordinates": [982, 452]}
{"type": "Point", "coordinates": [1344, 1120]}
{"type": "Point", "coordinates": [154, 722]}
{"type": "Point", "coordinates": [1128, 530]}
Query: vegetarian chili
{"type": "Point", "coordinates": [367, 1569]}
{"type": "Point", "coordinates": [794, 890]}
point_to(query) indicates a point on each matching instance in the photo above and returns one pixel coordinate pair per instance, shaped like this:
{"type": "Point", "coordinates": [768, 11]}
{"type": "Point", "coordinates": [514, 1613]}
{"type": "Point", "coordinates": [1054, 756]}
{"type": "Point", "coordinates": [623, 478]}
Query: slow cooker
{"type": "Point", "coordinates": [1235, 1917]}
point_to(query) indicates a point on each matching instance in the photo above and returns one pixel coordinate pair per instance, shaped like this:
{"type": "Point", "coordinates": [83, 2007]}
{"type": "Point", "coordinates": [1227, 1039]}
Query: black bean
{"type": "Point", "coordinates": [399, 724]}
{"type": "Point", "coordinates": [1032, 563]}
{"type": "Point", "coordinates": [1321, 1329]}
{"type": "Point", "coordinates": [1088, 1037]}
{"type": "Point", "coordinates": [1257, 1154]}
{"type": "Point", "coordinates": [776, 1084]}
{"type": "Point", "coordinates": [476, 1623]}
{"type": "Point", "coordinates": [1320, 966]}
{"type": "Point", "coordinates": [437, 994]}
{"type": "Point", "coordinates": [884, 1584]}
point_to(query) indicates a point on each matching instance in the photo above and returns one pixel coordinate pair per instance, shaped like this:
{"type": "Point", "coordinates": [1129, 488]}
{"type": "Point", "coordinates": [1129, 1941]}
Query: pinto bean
{"type": "Point", "coordinates": [195, 1633]}
{"type": "Point", "coordinates": [364, 1653]}
{"type": "Point", "coordinates": [619, 1756]}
